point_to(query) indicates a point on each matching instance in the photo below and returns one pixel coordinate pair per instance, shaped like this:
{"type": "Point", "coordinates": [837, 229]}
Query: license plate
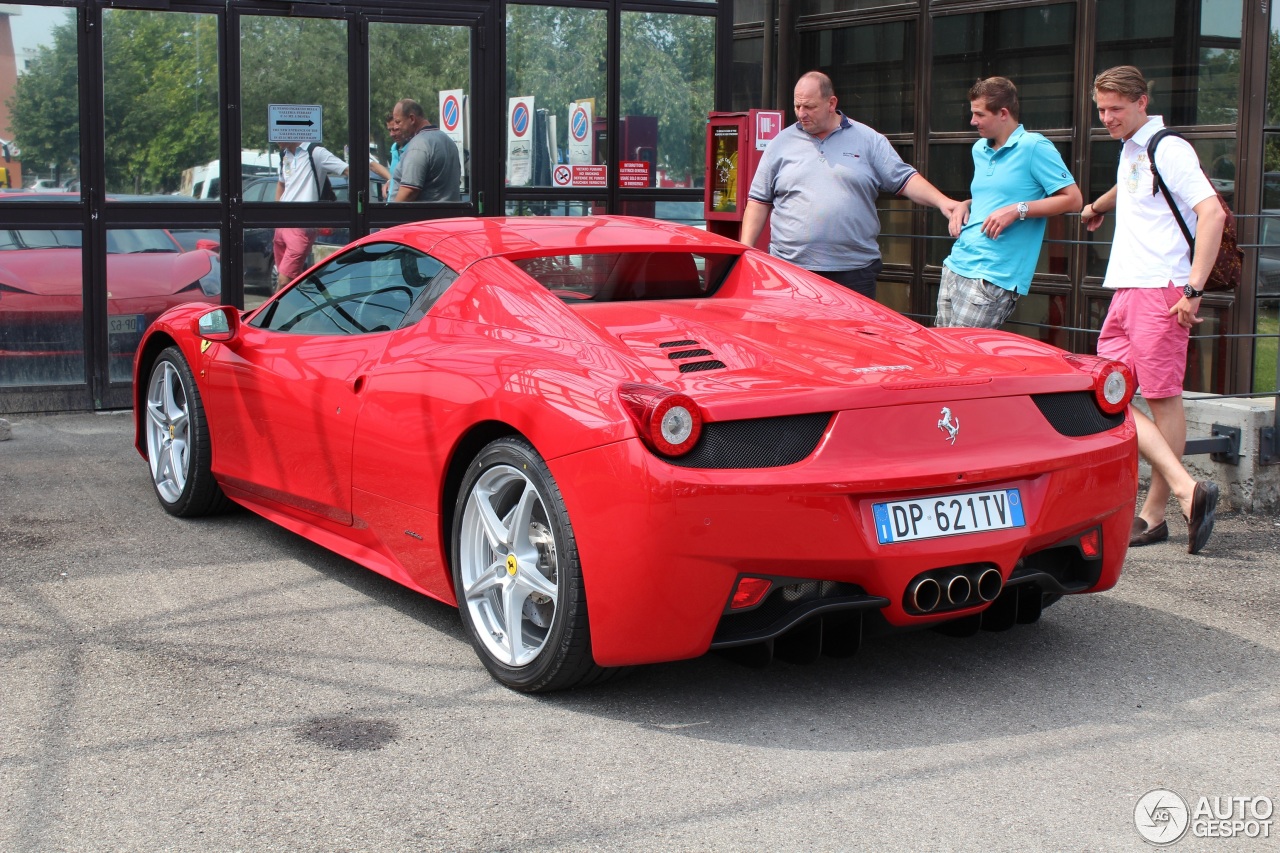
{"type": "Point", "coordinates": [948, 515]}
{"type": "Point", "coordinates": [125, 324]}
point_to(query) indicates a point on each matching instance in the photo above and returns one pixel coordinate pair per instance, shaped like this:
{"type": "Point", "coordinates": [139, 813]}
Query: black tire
{"type": "Point", "coordinates": [179, 455]}
{"type": "Point", "coordinates": [531, 562]}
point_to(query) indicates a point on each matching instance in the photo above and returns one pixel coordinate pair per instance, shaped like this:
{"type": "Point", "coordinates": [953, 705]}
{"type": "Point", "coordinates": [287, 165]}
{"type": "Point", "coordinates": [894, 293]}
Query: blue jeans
{"type": "Point", "coordinates": [861, 281]}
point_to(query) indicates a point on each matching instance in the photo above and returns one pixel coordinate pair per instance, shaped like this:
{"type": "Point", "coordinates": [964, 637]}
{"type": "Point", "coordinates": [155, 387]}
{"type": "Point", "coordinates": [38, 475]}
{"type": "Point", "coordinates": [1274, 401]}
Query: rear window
{"type": "Point", "coordinates": [629, 276]}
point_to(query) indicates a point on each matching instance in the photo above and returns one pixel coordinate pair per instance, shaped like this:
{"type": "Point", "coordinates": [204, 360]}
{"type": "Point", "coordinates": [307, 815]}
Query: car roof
{"type": "Point", "coordinates": [463, 241]}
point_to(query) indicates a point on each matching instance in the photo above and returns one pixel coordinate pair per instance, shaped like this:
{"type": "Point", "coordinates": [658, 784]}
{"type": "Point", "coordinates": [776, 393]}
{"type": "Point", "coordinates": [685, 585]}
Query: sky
{"type": "Point", "coordinates": [33, 27]}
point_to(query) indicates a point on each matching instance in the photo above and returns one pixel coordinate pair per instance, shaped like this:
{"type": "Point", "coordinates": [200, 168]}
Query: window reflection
{"type": "Point", "coordinates": [678, 212]}
{"type": "Point", "coordinates": [748, 84]}
{"type": "Point", "coordinates": [431, 65]}
{"type": "Point", "coordinates": [897, 231]}
{"type": "Point", "coordinates": [1189, 51]}
{"type": "Point", "coordinates": [1042, 316]}
{"type": "Point", "coordinates": [1033, 47]}
{"type": "Point", "coordinates": [1265, 348]}
{"type": "Point", "coordinates": [667, 77]}
{"type": "Point", "coordinates": [559, 207]}
{"type": "Point", "coordinates": [290, 61]}
{"type": "Point", "coordinates": [161, 104]}
{"type": "Point", "coordinates": [41, 308]}
{"type": "Point", "coordinates": [44, 112]}
{"type": "Point", "coordinates": [556, 83]}
{"type": "Point", "coordinates": [149, 271]}
{"type": "Point", "coordinates": [873, 69]}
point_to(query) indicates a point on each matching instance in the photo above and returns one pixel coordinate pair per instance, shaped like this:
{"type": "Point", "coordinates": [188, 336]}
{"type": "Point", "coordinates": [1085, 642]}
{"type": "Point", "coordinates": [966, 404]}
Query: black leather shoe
{"type": "Point", "coordinates": [1140, 534]}
{"type": "Point", "coordinates": [1204, 503]}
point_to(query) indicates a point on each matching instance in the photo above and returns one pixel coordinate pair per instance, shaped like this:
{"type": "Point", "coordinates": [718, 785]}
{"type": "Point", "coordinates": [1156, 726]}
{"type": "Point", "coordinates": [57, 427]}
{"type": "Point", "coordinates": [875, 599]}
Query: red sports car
{"type": "Point", "coordinates": [615, 441]}
{"type": "Point", "coordinates": [42, 299]}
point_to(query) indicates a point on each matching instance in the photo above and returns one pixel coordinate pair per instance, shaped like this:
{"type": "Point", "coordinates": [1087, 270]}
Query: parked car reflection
{"type": "Point", "coordinates": [42, 297]}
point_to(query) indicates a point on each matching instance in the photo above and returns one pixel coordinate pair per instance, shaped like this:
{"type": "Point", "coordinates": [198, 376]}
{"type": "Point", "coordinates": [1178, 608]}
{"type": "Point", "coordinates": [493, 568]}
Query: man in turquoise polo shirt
{"type": "Point", "coordinates": [1018, 180]}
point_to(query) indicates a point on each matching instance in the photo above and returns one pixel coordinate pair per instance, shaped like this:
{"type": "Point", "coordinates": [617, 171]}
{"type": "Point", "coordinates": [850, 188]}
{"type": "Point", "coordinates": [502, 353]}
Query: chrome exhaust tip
{"type": "Point", "coordinates": [924, 594]}
{"type": "Point", "coordinates": [990, 583]}
{"type": "Point", "coordinates": [958, 589]}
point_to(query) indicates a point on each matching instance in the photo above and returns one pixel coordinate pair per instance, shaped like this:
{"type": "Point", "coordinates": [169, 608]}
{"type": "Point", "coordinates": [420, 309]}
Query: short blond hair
{"type": "Point", "coordinates": [1125, 80]}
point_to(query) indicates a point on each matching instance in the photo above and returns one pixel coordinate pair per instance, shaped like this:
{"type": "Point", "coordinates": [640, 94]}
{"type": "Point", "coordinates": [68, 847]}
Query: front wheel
{"type": "Point", "coordinates": [178, 449]}
{"type": "Point", "coordinates": [517, 575]}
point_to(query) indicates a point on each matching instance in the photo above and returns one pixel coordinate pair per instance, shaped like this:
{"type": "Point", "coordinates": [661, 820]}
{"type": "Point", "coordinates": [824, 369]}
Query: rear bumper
{"type": "Point", "coordinates": [663, 547]}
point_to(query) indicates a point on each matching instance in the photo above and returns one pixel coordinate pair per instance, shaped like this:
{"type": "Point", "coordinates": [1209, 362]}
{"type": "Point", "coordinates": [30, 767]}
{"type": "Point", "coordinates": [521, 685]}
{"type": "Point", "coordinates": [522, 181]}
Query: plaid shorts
{"type": "Point", "coordinates": [972, 302]}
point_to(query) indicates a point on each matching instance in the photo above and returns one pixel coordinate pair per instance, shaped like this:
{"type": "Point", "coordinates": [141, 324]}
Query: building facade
{"type": "Point", "coordinates": [905, 69]}
{"type": "Point", "coordinates": [142, 143]}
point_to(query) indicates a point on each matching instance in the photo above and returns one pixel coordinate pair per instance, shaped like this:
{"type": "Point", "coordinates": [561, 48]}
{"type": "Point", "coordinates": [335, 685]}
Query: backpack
{"type": "Point", "coordinates": [325, 190]}
{"type": "Point", "coordinates": [1227, 267]}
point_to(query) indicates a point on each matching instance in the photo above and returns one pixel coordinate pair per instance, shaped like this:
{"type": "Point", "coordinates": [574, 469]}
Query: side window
{"type": "Point", "coordinates": [370, 289]}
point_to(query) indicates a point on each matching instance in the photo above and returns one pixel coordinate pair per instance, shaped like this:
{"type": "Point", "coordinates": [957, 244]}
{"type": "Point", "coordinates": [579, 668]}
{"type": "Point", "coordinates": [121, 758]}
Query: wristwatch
{"type": "Point", "coordinates": [1022, 210]}
{"type": "Point", "coordinates": [1191, 293]}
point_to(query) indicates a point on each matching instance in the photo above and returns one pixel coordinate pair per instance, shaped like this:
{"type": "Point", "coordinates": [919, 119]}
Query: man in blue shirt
{"type": "Point", "coordinates": [1018, 180]}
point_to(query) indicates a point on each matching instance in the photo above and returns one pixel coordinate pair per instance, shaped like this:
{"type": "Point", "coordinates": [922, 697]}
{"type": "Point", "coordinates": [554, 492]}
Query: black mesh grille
{"type": "Point", "coordinates": [687, 353]}
{"type": "Point", "coordinates": [678, 344]}
{"type": "Point", "coordinates": [1076, 413]}
{"type": "Point", "coordinates": [694, 366]}
{"type": "Point", "coordinates": [758, 443]}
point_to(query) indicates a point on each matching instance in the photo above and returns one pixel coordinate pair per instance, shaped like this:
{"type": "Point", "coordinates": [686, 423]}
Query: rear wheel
{"type": "Point", "coordinates": [178, 450]}
{"type": "Point", "coordinates": [517, 575]}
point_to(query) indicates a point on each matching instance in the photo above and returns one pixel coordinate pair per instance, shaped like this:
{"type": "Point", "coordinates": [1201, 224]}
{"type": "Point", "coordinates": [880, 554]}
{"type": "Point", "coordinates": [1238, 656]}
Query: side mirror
{"type": "Point", "coordinates": [207, 244]}
{"type": "Point", "coordinates": [219, 325]}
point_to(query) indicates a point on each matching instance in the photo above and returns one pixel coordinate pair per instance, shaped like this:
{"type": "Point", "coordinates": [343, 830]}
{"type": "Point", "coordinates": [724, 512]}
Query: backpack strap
{"type": "Point", "coordinates": [316, 175]}
{"type": "Point", "coordinates": [1159, 183]}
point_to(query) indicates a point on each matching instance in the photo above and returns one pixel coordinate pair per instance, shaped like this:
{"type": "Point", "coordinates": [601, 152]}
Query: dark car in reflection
{"type": "Point", "coordinates": [259, 257]}
{"type": "Point", "coordinates": [42, 297]}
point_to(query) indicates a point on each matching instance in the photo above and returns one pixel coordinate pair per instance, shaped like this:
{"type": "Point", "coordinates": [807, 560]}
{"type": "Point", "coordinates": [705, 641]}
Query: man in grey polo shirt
{"type": "Point", "coordinates": [429, 168]}
{"type": "Point", "coordinates": [819, 179]}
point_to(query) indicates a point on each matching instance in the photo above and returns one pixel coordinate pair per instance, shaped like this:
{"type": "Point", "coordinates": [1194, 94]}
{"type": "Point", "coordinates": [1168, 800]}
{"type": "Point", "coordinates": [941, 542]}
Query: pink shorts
{"type": "Point", "coordinates": [292, 248]}
{"type": "Point", "coordinates": [1140, 332]}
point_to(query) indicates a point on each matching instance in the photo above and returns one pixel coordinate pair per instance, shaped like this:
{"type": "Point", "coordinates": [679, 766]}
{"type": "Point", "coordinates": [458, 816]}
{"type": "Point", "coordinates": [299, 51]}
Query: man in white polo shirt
{"type": "Point", "coordinates": [819, 179]}
{"type": "Point", "coordinates": [304, 168]}
{"type": "Point", "coordinates": [1157, 288]}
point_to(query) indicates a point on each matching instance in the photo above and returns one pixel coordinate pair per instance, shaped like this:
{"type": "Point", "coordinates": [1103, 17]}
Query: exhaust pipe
{"type": "Point", "coordinates": [990, 583]}
{"type": "Point", "coordinates": [958, 589]}
{"type": "Point", "coordinates": [924, 594]}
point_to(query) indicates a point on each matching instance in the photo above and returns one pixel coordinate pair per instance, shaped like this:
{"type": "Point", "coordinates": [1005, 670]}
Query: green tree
{"type": "Point", "coordinates": [44, 111]}
{"type": "Point", "coordinates": [668, 71]}
{"type": "Point", "coordinates": [415, 61]}
{"type": "Point", "coordinates": [160, 97]}
{"type": "Point", "coordinates": [293, 61]}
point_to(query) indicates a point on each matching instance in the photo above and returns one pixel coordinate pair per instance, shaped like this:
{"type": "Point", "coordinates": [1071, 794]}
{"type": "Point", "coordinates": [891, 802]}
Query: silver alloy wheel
{"type": "Point", "coordinates": [508, 566]}
{"type": "Point", "coordinates": [168, 431]}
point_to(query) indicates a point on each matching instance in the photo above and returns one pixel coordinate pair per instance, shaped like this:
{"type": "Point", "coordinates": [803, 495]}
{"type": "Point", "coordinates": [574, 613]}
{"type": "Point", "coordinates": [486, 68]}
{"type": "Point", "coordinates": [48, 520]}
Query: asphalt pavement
{"type": "Point", "coordinates": [222, 684]}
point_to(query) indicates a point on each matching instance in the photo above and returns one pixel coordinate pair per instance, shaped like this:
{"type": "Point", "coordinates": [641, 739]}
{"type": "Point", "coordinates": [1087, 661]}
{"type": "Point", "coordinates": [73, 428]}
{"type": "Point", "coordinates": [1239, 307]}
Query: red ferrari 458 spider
{"type": "Point", "coordinates": [614, 441]}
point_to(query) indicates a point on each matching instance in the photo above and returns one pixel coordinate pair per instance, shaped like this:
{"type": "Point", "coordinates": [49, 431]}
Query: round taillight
{"type": "Point", "coordinates": [1113, 386]}
{"type": "Point", "coordinates": [668, 421]}
{"type": "Point", "coordinates": [675, 424]}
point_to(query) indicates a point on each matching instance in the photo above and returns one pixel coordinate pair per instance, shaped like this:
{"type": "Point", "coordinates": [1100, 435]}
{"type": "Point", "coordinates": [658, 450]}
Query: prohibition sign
{"type": "Point", "coordinates": [520, 119]}
{"type": "Point", "coordinates": [579, 124]}
{"type": "Point", "coordinates": [450, 113]}
{"type": "Point", "coordinates": [562, 176]}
